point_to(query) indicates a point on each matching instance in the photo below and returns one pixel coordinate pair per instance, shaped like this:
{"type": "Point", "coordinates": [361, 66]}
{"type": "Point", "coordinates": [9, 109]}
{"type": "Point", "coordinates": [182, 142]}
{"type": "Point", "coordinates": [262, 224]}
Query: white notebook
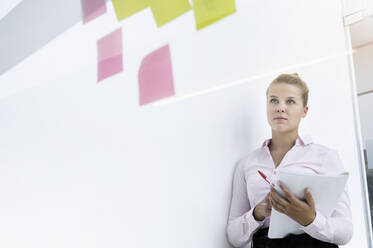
{"type": "Point", "coordinates": [325, 189]}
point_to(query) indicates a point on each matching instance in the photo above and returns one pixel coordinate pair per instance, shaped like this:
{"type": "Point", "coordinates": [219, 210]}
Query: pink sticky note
{"type": "Point", "coordinates": [155, 76]}
{"type": "Point", "coordinates": [110, 45]}
{"type": "Point", "coordinates": [92, 9]}
{"type": "Point", "coordinates": [110, 57]}
{"type": "Point", "coordinates": [109, 67]}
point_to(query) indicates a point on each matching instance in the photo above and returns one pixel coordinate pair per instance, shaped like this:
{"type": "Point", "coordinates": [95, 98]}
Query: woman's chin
{"type": "Point", "coordinates": [280, 129]}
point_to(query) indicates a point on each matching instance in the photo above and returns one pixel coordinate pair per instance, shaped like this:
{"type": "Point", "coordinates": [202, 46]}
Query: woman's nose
{"type": "Point", "coordinates": [280, 108]}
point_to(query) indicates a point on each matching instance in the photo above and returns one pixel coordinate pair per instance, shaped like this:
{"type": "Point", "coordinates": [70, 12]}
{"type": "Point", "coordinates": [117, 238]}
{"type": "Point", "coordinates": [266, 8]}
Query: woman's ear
{"type": "Point", "coordinates": [305, 110]}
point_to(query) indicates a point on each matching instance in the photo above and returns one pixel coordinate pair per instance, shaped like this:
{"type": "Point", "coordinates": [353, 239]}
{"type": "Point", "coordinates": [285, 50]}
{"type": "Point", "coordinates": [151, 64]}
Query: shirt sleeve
{"type": "Point", "coordinates": [241, 223]}
{"type": "Point", "coordinates": [336, 228]}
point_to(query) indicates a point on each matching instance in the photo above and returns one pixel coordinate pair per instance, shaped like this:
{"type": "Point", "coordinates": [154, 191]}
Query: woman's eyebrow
{"type": "Point", "coordinates": [287, 97]}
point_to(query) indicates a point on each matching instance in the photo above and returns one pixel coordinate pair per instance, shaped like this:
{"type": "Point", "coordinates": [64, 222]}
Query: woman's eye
{"type": "Point", "coordinates": [273, 100]}
{"type": "Point", "coordinates": [291, 101]}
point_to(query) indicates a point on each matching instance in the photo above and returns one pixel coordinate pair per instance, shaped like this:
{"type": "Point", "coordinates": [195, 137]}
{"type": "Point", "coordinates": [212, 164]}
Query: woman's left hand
{"type": "Point", "coordinates": [303, 212]}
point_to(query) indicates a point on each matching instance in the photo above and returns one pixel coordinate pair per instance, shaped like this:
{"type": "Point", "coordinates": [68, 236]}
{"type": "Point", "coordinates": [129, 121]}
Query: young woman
{"type": "Point", "coordinates": [253, 199]}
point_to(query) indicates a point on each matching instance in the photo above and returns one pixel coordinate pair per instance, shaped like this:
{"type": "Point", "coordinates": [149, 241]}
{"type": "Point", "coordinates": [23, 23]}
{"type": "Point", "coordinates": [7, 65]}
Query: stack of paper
{"type": "Point", "coordinates": [325, 189]}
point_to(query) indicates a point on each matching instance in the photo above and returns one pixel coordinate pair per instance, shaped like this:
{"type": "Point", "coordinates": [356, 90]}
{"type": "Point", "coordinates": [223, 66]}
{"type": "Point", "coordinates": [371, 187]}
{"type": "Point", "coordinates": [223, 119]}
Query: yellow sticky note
{"type": "Point", "coordinates": [126, 8]}
{"type": "Point", "coordinates": [207, 12]}
{"type": "Point", "coordinates": [165, 11]}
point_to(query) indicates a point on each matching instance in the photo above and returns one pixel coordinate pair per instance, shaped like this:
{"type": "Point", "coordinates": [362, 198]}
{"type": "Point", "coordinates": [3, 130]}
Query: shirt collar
{"type": "Point", "coordinates": [303, 141]}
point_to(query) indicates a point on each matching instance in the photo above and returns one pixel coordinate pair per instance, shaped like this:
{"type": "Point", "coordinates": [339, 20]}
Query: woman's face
{"type": "Point", "coordinates": [285, 107]}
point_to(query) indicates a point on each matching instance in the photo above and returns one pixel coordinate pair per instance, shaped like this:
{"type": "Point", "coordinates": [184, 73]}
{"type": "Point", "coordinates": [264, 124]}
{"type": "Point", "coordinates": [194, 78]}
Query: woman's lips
{"type": "Point", "coordinates": [279, 118]}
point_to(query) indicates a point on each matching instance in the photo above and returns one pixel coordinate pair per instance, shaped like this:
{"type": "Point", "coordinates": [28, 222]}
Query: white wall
{"type": "Point", "coordinates": [83, 165]}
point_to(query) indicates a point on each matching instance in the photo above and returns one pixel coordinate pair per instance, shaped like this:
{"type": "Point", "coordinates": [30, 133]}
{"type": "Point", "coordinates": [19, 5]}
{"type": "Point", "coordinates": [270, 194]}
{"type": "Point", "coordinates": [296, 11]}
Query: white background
{"type": "Point", "coordinates": [82, 165]}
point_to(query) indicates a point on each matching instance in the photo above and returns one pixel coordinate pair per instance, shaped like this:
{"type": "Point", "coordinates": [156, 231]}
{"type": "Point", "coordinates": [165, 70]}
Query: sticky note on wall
{"type": "Point", "coordinates": [207, 12]}
{"type": "Point", "coordinates": [165, 11]}
{"type": "Point", "coordinates": [110, 55]}
{"type": "Point", "coordinates": [155, 76]}
{"type": "Point", "coordinates": [92, 9]}
{"type": "Point", "coordinates": [126, 8]}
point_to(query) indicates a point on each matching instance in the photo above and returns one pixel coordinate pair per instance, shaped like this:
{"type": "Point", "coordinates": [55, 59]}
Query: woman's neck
{"type": "Point", "coordinates": [283, 141]}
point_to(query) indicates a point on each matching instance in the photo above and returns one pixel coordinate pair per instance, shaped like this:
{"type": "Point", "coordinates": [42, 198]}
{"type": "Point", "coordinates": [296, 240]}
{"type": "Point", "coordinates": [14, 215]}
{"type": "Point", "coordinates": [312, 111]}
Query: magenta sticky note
{"type": "Point", "coordinates": [110, 55]}
{"type": "Point", "coordinates": [92, 9]}
{"type": "Point", "coordinates": [155, 76]}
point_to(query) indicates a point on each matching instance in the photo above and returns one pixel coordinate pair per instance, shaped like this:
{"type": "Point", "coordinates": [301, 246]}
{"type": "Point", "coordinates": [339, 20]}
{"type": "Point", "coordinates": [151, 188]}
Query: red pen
{"type": "Point", "coordinates": [275, 186]}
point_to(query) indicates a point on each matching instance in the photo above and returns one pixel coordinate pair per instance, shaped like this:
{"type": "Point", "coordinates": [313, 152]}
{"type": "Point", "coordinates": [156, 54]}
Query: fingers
{"type": "Point", "coordinates": [277, 198]}
{"type": "Point", "coordinates": [277, 206]}
{"type": "Point", "coordinates": [268, 203]}
{"type": "Point", "coordinates": [289, 195]}
{"type": "Point", "coordinates": [278, 202]}
{"type": "Point", "coordinates": [263, 208]}
{"type": "Point", "coordinates": [309, 198]}
{"type": "Point", "coordinates": [268, 200]}
{"type": "Point", "coordinates": [265, 200]}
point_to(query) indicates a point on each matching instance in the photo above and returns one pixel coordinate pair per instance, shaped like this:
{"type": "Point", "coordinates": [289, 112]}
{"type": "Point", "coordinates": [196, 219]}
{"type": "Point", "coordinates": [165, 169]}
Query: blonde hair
{"type": "Point", "coordinates": [293, 79]}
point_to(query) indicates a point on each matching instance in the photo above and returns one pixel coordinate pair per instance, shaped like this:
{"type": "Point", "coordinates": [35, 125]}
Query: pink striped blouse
{"type": "Point", "coordinates": [249, 189]}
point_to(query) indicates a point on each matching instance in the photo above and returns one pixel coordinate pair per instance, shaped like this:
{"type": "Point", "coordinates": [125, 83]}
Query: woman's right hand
{"type": "Point", "coordinates": [262, 209]}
